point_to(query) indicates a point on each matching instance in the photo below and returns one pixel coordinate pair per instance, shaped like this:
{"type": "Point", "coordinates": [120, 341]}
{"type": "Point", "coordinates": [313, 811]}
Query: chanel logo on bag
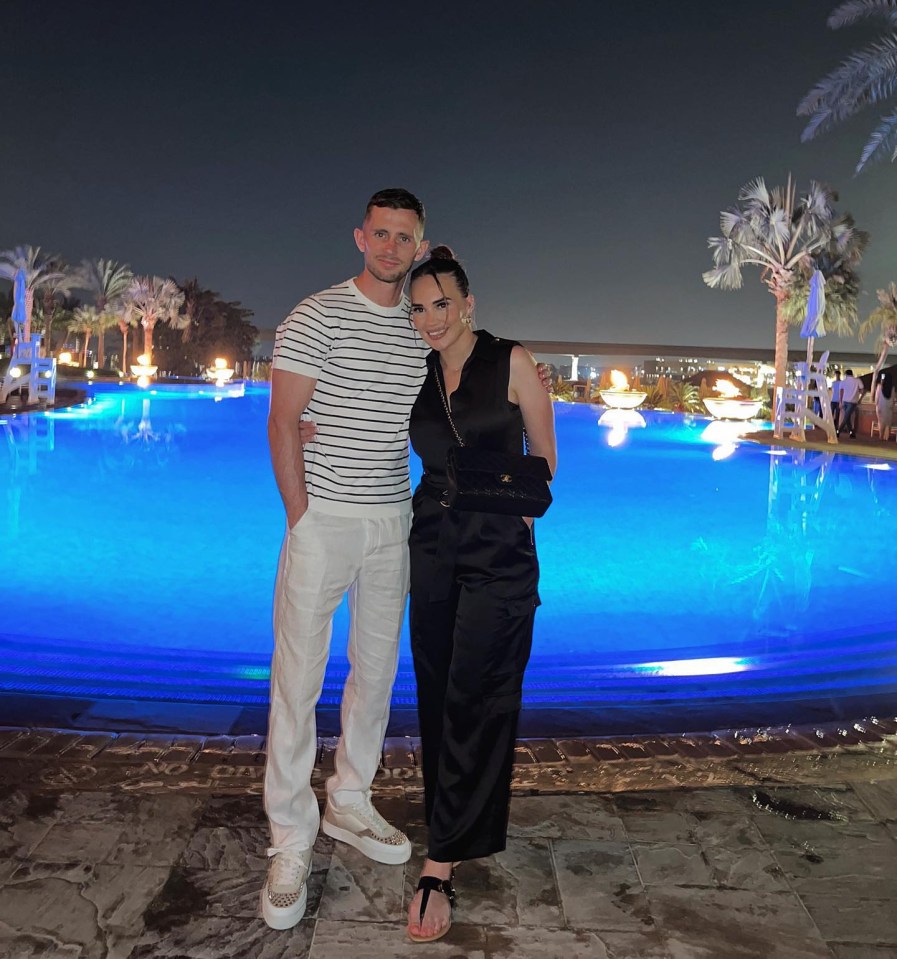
{"type": "Point", "coordinates": [506, 477]}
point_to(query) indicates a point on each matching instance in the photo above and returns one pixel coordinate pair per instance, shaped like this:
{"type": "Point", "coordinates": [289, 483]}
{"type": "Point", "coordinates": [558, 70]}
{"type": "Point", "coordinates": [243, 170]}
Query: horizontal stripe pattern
{"type": "Point", "coordinates": [369, 364]}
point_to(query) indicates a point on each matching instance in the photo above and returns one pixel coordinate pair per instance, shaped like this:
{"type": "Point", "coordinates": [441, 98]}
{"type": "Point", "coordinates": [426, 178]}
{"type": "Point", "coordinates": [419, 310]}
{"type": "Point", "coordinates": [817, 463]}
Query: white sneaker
{"type": "Point", "coordinates": [285, 894]}
{"type": "Point", "coordinates": [361, 826]}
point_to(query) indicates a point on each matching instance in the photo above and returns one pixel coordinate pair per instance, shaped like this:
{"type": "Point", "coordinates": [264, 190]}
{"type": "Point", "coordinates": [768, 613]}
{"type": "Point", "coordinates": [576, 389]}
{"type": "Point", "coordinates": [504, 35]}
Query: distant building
{"type": "Point", "coordinates": [576, 360]}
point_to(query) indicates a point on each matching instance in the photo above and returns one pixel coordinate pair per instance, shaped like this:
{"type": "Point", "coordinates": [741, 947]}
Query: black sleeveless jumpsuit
{"type": "Point", "coordinates": [474, 579]}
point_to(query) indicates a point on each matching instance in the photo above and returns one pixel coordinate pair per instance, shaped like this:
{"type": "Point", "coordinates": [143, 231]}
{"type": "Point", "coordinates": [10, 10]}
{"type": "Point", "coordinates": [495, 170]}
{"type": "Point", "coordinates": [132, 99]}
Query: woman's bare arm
{"type": "Point", "coordinates": [526, 390]}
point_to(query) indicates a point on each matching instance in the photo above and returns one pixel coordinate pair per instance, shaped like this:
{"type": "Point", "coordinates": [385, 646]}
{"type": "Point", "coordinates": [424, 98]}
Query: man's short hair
{"type": "Point", "coordinates": [396, 199]}
{"type": "Point", "coordinates": [848, 373]}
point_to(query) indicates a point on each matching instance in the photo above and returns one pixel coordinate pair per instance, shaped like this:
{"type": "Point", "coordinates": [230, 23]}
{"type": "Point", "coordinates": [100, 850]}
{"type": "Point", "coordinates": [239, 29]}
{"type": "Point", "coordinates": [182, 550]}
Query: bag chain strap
{"type": "Point", "coordinates": [445, 405]}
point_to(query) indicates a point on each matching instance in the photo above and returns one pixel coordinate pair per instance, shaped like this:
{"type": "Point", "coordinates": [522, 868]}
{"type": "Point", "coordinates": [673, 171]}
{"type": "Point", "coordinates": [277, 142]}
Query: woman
{"type": "Point", "coordinates": [474, 580]}
{"type": "Point", "coordinates": [884, 409]}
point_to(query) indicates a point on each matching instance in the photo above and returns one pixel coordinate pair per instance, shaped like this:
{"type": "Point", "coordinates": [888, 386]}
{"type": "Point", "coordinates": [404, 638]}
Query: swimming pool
{"type": "Point", "coordinates": [688, 580]}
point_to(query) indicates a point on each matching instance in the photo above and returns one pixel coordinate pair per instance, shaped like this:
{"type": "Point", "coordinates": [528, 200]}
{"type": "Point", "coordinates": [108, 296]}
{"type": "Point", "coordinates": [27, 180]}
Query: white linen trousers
{"type": "Point", "coordinates": [323, 557]}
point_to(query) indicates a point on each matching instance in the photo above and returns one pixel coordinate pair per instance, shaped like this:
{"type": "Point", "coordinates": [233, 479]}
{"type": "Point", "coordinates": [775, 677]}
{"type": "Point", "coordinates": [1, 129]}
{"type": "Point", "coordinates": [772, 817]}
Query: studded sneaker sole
{"type": "Point", "coordinates": [390, 851]}
{"type": "Point", "coordinates": [283, 917]}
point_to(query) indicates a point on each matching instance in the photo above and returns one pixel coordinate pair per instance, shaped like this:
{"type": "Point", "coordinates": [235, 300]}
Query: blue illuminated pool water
{"type": "Point", "coordinates": [688, 581]}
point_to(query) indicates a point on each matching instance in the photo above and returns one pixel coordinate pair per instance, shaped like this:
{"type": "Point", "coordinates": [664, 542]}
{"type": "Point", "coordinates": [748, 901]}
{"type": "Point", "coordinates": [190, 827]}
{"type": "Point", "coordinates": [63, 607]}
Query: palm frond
{"type": "Point", "coordinates": [39, 268]}
{"type": "Point", "coordinates": [723, 250]}
{"type": "Point", "coordinates": [755, 193]}
{"type": "Point", "coordinates": [883, 317]}
{"type": "Point", "coordinates": [866, 77]}
{"type": "Point", "coordinates": [83, 319]}
{"type": "Point", "coordinates": [783, 196]}
{"type": "Point", "coordinates": [732, 222]}
{"type": "Point", "coordinates": [725, 277]}
{"type": "Point", "coordinates": [105, 279]}
{"type": "Point", "coordinates": [848, 13]}
{"type": "Point", "coordinates": [149, 299]}
{"type": "Point", "coordinates": [881, 143]}
{"type": "Point", "coordinates": [820, 200]}
{"type": "Point", "coordinates": [842, 289]}
{"type": "Point", "coordinates": [888, 297]}
{"type": "Point", "coordinates": [777, 227]}
{"type": "Point", "coordinates": [848, 243]}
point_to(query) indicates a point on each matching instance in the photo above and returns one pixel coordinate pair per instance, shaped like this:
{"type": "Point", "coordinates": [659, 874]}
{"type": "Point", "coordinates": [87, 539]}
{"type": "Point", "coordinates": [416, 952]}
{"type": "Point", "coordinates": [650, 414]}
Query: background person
{"type": "Point", "coordinates": [474, 579]}
{"type": "Point", "coordinates": [851, 394]}
{"type": "Point", "coordinates": [884, 408]}
{"type": "Point", "coordinates": [836, 388]}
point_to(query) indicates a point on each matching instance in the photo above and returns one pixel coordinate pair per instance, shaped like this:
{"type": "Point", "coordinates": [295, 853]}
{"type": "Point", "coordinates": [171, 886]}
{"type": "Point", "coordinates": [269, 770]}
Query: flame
{"type": "Point", "coordinates": [618, 380]}
{"type": "Point", "coordinates": [726, 389]}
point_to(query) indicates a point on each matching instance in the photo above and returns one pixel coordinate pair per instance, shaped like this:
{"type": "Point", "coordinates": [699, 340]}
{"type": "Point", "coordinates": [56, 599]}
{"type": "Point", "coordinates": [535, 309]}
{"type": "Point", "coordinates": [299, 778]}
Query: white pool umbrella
{"type": "Point", "coordinates": [813, 321]}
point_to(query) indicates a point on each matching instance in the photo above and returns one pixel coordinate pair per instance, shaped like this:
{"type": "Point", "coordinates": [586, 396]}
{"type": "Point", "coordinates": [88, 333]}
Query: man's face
{"type": "Point", "coordinates": [391, 241]}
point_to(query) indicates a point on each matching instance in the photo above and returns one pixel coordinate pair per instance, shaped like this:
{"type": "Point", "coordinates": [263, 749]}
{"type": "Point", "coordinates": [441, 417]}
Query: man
{"type": "Point", "coordinates": [837, 386]}
{"type": "Point", "coordinates": [851, 394]}
{"type": "Point", "coordinates": [350, 358]}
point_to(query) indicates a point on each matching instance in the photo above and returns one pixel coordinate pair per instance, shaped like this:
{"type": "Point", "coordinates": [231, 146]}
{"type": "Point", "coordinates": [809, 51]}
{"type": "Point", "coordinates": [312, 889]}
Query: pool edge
{"type": "Point", "coordinates": [68, 759]}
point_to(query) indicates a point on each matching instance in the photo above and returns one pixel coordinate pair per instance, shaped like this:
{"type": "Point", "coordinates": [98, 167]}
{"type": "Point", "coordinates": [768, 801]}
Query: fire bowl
{"type": "Point", "coordinates": [732, 409]}
{"type": "Point", "coordinates": [622, 399]}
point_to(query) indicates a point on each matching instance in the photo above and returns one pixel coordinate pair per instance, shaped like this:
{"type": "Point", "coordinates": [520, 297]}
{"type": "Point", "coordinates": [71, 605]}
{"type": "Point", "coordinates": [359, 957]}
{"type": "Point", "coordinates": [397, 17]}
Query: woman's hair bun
{"type": "Point", "coordinates": [442, 253]}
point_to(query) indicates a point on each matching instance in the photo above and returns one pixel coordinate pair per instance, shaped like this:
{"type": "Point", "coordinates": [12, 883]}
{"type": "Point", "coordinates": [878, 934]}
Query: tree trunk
{"type": "Point", "coordinates": [148, 340]}
{"type": "Point", "coordinates": [84, 349]}
{"type": "Point", "coordinates": [781, 342]}
{"type": "Point", "coordinates": [124, 347]}
{"type": "Point", "coordinates": [101, 347]}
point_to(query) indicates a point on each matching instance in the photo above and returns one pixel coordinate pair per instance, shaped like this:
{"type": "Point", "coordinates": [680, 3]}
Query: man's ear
{"type": "Point", "coordinates": [359, 239]}
{"type": "Point", "coordinates": [422, 250]}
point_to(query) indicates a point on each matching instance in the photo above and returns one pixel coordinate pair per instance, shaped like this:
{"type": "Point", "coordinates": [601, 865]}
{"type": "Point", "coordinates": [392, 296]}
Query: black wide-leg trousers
{"type": "Point", "coordinates": [474, 581]}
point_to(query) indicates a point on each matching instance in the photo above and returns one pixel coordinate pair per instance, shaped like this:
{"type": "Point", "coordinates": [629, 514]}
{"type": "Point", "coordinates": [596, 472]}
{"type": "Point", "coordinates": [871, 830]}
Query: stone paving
{"type": "Point", "coordinates": [665, 848]}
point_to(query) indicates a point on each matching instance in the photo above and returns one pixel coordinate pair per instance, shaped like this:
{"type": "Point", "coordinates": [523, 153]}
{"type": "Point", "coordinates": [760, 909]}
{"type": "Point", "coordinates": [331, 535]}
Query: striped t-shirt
{"type": "Point", "coordinates": [369, 364]}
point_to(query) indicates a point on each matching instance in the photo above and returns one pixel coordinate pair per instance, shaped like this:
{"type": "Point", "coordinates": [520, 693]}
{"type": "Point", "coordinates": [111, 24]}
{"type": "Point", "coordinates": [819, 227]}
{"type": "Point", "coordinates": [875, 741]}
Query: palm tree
{"type": "Point", "coordinates": [781, 234]}
{"type": "Point", "coordinates": [39, 269]}
{"type": "Point", "coordinates": [885, 318]}
{"type": "Point", "coordinates": [868, 76]}
{"type": "Point", "coordinates": [107, 281]}
{"type": "Point", "coordinates": [124, 324]}
{"type": "Point", "coordinates": [52, 303]}
{"type": "Point", "coordinates": [84, 321]}
{"type": "Point", "coordinates": [148, 300]}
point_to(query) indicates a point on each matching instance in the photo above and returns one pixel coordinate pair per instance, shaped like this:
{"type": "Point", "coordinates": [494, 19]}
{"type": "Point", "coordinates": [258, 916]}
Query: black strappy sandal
{"type": "Point", "coordinates": [431, 884]}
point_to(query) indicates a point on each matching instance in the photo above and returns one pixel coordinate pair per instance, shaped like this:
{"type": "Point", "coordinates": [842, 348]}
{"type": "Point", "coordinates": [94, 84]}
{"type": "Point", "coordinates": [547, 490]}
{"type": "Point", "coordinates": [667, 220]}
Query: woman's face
{"type": "Point", "coordinates": [441, 316]}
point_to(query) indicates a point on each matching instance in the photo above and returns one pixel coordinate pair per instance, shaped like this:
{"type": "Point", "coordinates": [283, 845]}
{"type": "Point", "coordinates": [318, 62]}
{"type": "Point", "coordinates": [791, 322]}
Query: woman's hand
{"type": "Point", "coordinates": [544, 371]}
{"type": "Point", "coordinates": [307, 431]}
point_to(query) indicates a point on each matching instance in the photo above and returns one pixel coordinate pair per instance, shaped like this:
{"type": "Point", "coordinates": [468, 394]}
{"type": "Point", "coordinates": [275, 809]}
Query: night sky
{"type": "Point", "coordinates": [575, 155]}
